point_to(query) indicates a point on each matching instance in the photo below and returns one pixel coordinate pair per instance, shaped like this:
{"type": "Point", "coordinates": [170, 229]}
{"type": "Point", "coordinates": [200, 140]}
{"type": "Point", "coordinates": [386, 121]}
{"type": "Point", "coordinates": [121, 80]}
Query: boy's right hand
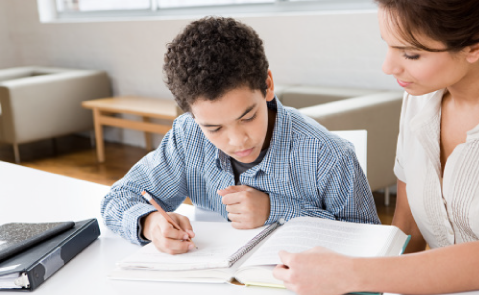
{"type": "Point", "coordinates": [165, 237]}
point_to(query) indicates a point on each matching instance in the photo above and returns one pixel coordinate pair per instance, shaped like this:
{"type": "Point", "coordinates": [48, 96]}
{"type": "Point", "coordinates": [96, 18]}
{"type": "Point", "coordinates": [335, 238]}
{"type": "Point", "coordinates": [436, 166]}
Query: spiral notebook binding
{"type": "Point", "coordinates": [253, 242]}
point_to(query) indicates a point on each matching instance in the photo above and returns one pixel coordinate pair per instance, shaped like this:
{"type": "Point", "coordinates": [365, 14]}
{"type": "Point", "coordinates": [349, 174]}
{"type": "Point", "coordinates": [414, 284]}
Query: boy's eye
{"type": "Point", "coordinates": [411, 56]}
{"type": "Point", "coordinates": [214, 130]}
{"type": "Point", "coordinates": [244, 120]}
{"type": "Point", "coordinates": [250, 119]}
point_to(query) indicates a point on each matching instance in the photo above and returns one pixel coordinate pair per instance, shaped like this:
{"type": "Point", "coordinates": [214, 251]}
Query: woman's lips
{"type": "Point", "coordinates": [403, 84]}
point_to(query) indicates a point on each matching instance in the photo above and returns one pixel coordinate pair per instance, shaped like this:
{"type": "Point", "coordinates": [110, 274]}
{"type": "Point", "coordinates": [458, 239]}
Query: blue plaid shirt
{"type": "Point", "coordinates": [307, 171]}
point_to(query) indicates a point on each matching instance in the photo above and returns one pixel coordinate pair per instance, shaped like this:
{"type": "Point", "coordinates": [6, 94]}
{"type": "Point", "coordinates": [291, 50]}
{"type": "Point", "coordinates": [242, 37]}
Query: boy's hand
{"type": "Point", "coordinates": [246, 206]}
{"type": "Point", "coordinates": [165, 237]}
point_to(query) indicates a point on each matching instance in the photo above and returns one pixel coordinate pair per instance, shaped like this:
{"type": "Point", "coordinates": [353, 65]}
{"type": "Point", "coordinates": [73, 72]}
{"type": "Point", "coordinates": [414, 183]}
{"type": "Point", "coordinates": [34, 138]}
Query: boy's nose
{"type": "Point", "coordinates": [238, 138]}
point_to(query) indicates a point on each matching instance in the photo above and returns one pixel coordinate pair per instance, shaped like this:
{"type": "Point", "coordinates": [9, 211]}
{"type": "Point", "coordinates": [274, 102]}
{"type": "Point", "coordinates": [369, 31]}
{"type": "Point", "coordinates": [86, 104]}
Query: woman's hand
{"type": "Point", "coordinates": [316, 271]}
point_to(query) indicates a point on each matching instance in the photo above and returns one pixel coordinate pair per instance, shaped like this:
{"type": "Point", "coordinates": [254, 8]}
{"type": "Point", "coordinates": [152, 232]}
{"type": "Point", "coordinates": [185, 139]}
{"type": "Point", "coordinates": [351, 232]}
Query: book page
{"type": "Point", "coordinates": [211, 275]}
{"type": "Point", "coordinates": [216, 243]}
{"type": "Point", "coordinates": [303, 233]}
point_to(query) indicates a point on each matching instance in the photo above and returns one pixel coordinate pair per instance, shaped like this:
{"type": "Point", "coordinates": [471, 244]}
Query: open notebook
{"type": "Point", "coordinates": [220, 245]}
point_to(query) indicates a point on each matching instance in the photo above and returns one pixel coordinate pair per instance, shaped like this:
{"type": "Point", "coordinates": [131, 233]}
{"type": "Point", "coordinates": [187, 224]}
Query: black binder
{"type": "Point", "coordinates": [17, 237]}
{"type": "Point", "coordinates": [29, 269]}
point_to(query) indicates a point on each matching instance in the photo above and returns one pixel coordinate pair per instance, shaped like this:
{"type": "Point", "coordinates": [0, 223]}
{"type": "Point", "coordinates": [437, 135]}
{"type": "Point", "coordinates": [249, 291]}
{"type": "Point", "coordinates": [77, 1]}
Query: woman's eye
{"type": "Point", "coordinates": [413, 57]}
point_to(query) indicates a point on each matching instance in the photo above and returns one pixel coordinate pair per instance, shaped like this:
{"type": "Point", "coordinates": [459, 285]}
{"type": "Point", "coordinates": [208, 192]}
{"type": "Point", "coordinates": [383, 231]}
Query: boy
{"type": "Point", "coordinates": [237, 150]}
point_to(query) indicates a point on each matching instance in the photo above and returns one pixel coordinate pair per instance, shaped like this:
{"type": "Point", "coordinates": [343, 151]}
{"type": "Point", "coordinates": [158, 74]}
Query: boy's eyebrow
{"type": "Point", "coordinates": [242, 115]}
{"type": "Point", "coordinates": [247, 111]}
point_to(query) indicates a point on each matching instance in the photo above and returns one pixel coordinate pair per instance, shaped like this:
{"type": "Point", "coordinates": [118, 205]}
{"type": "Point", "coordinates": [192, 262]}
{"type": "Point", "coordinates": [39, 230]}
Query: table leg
{"type": "Point", "coordinates": [100, 149]}
{"type": "Point", "coordinates": [16, 153]}
{"type": "Point", "coordinates": [386, 196]}
{"type": "Point", "coordinates": [148, 139]}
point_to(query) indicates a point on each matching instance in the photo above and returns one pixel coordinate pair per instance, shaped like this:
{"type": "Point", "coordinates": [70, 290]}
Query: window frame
{"type": "Point", "coordinates": [277, 7]}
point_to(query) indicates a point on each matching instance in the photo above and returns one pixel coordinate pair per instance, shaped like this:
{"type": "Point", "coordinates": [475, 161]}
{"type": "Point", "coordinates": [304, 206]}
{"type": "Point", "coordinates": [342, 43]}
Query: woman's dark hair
{"type": "Point", "coordinates": [212, 56]}
{"type": "Point", "coordinates": [452, 22]}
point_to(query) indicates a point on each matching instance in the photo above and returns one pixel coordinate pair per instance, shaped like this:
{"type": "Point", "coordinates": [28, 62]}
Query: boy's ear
{"type": "Point", "coordinates": [270, 89]}
{"type": "Point", "coordinates": [473, 54]}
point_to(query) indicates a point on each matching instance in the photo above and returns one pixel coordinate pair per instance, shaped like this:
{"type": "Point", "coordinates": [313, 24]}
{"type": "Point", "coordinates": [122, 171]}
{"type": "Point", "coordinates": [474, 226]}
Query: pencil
{"type": "Point", "coordinates": [162, 212]}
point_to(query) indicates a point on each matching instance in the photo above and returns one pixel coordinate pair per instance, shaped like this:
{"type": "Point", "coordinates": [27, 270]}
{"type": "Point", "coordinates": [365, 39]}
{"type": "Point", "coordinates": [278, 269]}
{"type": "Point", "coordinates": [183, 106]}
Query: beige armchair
{"type": "Point", "coordinates": [352, 109]}
{"type": "Point", "coordinates": [41, 102]}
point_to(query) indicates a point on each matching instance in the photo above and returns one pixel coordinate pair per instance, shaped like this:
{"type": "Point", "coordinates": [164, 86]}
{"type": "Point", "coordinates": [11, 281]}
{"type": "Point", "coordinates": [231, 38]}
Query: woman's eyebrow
{"type": "Point", "coordinates": [402, 47]}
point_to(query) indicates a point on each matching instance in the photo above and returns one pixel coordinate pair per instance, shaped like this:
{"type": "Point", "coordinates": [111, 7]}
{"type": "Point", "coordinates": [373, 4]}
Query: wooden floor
{"type": "Point", "coordinates": [74, 156]}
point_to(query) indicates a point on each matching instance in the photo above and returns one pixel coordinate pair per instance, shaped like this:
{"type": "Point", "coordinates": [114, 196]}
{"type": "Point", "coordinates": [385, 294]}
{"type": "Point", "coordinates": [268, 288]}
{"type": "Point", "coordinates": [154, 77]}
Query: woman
{"type": "Point", "coordinates": [433, 52]}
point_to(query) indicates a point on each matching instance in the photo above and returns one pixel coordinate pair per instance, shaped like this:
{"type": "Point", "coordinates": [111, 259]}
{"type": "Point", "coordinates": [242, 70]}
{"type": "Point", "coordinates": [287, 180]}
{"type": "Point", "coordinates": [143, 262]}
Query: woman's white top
{"type": "Point", "coordinates": [446, 209]}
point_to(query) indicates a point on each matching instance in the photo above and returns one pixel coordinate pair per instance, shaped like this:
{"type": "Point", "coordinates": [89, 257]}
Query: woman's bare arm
{"type": "Point", "coordinates": [405, 221]}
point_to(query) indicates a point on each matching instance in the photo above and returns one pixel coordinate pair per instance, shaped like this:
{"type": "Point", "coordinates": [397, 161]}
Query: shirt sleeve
{"type": "Point", "coordinates": [161, 173]}
{"type": "Point", "coordinates": [398, 163]}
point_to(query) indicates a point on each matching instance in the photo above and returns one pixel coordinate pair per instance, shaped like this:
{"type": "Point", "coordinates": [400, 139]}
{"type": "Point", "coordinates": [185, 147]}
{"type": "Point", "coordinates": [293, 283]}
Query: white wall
{"type": "Point", "coordinates": [333, 49]}
{"type": "Point", "coordinates": [7, 48]}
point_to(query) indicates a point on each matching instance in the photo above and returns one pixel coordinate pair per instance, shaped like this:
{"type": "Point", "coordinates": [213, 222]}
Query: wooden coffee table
{"type": "Point", "coordinates": [104, 110]}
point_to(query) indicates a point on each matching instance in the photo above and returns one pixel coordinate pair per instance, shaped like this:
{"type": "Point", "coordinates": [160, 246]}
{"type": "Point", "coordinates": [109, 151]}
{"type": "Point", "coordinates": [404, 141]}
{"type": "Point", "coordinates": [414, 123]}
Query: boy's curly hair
{"type": "Point", "coordinates": [212, 56]}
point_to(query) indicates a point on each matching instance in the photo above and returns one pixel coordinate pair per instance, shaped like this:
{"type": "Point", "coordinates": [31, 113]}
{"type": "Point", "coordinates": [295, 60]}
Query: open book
{"type": "Point", "coordinates": [223, 252]}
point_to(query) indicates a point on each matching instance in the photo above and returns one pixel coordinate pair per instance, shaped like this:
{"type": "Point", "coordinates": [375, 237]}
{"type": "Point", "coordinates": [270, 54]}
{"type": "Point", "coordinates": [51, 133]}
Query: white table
{"type": "Point", "coordinates": [29, 195]}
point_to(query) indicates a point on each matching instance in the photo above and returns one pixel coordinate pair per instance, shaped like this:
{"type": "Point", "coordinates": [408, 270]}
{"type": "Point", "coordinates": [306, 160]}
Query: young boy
{"type": "Point", "coordinates": [236, 150]}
